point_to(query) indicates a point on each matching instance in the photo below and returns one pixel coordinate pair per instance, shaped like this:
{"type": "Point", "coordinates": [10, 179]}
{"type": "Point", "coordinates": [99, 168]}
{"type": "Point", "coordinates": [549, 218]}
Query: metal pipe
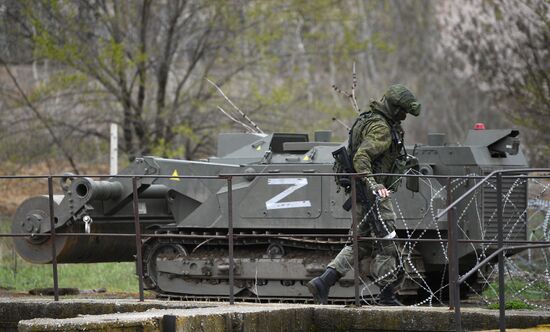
{"type": "Point", "coordinates": [138, 237]}
{"type": "Point", "coordinates": [355, 239]}
{"type": "Point", "coordinates": [450, 246]}
{"type": "Point", "coordinates": [346, 174]}
{"type": "Point", "coordinates": [54, 249]}
{"type": "Point", "coordinates": [456, 285]}
{"type": "Point", "coordinates": [500, 237]}
{"type": "Point", "coordinates": [428, 176]}
{"type": "Point", "coordinates": [491, 256]}
{"type": "Point", "coordinates": [91, 189]}
{"type": "Point", "coordinates": [222, 176]}
{"type": "Point", "coordinates": [288, 235]}
{"type": "Point", "coordinates": [230, 234]}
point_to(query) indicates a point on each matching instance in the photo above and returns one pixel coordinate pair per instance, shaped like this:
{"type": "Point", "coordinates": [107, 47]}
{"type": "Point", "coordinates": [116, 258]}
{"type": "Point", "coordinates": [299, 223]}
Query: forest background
{"type": "Point", "coordinates": [70, 68]}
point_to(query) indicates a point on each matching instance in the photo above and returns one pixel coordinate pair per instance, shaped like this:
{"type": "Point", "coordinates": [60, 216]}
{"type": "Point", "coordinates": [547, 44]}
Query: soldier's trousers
{"type": "Point", "coordinates": [384, 266]}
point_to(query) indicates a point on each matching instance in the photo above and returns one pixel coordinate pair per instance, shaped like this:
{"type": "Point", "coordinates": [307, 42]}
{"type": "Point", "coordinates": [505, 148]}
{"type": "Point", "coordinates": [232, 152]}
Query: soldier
{"type": "Point", "coordinates": [375, 145]}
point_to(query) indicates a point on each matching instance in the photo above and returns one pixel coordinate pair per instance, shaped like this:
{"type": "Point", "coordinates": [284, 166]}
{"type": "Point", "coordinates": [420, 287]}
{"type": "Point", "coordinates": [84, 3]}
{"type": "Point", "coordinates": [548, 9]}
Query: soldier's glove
{"type": "Point", "coordinates": [379, 190]}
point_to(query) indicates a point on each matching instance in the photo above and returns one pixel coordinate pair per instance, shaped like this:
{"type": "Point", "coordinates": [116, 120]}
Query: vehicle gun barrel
{"type": "Point", "coordinates": [87, 188]}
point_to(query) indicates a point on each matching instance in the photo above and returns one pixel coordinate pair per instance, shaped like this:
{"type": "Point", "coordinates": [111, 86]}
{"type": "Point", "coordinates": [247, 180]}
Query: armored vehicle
{"type": "Point", "coordinates": [287, 227]}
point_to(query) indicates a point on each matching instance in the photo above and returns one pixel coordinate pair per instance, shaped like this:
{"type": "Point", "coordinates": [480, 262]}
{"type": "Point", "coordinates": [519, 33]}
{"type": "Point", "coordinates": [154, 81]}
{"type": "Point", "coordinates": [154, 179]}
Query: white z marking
{"type": "Point", "coordinates": [296, 183]}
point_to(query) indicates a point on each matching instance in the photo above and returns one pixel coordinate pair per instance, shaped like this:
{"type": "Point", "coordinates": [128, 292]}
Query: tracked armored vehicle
{"type": "Point", "coordinates": [287, 227]}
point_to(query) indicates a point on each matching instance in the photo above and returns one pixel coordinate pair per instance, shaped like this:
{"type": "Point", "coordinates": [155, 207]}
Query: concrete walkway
{"type": "Point", "coordinates": [154, 315]}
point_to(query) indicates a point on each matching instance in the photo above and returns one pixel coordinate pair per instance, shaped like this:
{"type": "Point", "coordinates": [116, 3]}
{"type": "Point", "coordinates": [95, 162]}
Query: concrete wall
{"type": "Point", "coordinates": [131, 315]}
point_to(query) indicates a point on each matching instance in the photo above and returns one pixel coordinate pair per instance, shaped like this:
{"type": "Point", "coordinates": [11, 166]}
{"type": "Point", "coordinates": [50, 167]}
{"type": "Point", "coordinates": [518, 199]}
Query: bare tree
{"type": "Point", "coordinates": [504, 46]}
{"type": "Point", "coordinates": [144, 59]}
{"type": "Point", "coordinates": [143, 65]}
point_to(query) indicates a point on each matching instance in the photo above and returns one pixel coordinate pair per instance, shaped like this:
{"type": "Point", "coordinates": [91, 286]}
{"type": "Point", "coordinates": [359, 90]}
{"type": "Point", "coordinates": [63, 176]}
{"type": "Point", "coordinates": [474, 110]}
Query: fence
{"type": "Point", "coordinates": [452, 241]}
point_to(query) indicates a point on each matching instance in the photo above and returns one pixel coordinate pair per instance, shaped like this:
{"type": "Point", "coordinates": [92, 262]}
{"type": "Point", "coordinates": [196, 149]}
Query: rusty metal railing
{"type": "Point", "coordinates": [454, 280]}
{"type": "Point", "coordinates": [452, 235]}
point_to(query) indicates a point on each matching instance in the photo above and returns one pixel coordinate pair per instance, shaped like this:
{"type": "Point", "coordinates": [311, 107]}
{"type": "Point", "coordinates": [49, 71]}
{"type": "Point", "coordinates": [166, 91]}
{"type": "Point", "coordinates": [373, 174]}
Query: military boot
{"type": "Point", "coordinates": [320, 286]}
{"type": "Point", "coordinates": [387, 297]}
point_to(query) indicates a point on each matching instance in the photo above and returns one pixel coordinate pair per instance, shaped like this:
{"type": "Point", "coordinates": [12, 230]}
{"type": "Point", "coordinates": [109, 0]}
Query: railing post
{"type": "Point", "coordinates": [458, 315]}
{"type": "Point", "coordinates": [355, 239]}
{"type": "Point", "coordinates": [450, 246]}
{"type": "Point", "coordinates": [500, 238]}
{"type": "Point", "coordinates": [139, 260]}
{"type": "Point", "coordinates": [454, 286]}
{"type": "Point", "coordinates": [230, 236]}
{"type": "Point", "coordinates": [52, 230]}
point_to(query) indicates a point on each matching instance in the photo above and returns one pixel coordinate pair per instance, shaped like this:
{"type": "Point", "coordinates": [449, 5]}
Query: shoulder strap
{"type": "Point", "coordinates": [397, 139]}
{"type": "Point", "coordinates": [359, 121]}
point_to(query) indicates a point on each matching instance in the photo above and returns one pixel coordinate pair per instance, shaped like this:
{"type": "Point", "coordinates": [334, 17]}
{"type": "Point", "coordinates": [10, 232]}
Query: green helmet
{"type": "Point", "coordinates": [398, 96]}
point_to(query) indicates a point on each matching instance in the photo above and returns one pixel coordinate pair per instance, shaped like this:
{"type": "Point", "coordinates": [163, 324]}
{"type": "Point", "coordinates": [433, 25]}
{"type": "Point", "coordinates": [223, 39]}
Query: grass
{"type": "Point", "coordinates": [536, 291]}
{"type": "Point", "coordinates": [19, 275]}
{"type": "Point", "coordinates": [115, 277]}
{"type": "Point", "coordinates": [512, 304]}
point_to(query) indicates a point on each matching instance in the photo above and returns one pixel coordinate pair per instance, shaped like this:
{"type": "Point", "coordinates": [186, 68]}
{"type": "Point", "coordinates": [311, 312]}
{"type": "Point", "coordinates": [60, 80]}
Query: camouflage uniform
{"type": "Point", "coordinates": [376, 142]}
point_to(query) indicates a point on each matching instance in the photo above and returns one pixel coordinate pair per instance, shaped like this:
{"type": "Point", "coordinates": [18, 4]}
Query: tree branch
{"type": "Point", "coordinates": [40, 117]}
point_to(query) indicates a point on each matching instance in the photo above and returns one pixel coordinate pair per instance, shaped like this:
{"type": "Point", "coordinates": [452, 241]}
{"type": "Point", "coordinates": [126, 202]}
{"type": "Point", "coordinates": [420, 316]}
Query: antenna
{"type": "Point", "coordinates": [342, 123]}
{"type": "Point", "coordinates": [257, 129]}
{"type": "Point", "coordinates": [351, 95]}
{"type": "Point", "coordinates": [248, 128]}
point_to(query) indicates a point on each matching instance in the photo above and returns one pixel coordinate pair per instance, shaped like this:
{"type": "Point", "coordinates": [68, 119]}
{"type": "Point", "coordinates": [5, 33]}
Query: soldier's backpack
{"type": "Point", "coordinates": [343, 157]}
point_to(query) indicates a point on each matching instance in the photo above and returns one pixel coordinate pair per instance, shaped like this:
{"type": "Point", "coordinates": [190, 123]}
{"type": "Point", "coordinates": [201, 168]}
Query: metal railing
{"type": "Point", "coordinates": [454, 279]}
